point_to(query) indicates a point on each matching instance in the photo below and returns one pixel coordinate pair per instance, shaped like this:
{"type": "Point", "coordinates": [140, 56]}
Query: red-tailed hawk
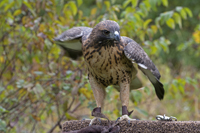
{"type": "Point", "coordinates": [109, 58]}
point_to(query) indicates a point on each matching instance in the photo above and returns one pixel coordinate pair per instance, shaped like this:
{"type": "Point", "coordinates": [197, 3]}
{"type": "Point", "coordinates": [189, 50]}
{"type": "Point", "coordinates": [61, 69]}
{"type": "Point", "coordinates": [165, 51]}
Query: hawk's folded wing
{"type": "Point", "coordinates": [136, 54]}
{"type": "Point", "coordinates": [71, 41]}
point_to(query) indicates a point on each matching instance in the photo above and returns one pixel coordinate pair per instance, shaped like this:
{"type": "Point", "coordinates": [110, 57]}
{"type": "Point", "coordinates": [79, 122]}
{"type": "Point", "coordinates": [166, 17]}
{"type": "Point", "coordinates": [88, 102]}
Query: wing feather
{"type": "Point", "coordinates": [134, 52]}
{"type": "Point", "coordinates": [71, 41]}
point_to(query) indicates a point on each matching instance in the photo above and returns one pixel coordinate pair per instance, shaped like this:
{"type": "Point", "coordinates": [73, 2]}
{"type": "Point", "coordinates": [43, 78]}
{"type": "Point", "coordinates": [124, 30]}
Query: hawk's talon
{"type": "Point", "coordinates": [99, 120]}
{"type": "Point", "coordinates": [95, 118]}
{"type": "Point", "coordinates": [117, 119]}
{"type": "Point", "coordinates": [125, 117]}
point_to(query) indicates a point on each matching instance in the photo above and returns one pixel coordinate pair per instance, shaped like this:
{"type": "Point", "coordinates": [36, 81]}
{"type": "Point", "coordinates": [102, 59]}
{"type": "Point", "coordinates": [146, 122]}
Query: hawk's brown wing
{"type": "Point", "coordinates": [136, 54]}
{"type": "Point", "coordinates": [71, 41]}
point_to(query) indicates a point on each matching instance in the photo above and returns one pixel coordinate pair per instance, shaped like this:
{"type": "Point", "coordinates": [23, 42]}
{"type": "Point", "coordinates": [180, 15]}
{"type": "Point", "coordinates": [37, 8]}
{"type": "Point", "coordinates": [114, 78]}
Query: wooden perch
{"type": "Point", "coordinates": [138, 126]}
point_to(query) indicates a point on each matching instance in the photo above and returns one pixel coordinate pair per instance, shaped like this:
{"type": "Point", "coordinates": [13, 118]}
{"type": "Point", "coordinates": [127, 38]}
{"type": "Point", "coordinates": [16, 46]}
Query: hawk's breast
{"type": "Point", "coordinates": [108, 63]}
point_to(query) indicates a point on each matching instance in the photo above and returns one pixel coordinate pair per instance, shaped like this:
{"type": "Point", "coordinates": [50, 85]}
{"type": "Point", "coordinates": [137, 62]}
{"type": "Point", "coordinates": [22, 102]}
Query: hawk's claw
{"type": "Point", "coordinates": [117, 119]}
{"type": "Point", "coordinates": [99, 120]}
{"type": "Point", "coordinates": [94, 120]}
{"type": "Point", "coordinates": [125, 117]}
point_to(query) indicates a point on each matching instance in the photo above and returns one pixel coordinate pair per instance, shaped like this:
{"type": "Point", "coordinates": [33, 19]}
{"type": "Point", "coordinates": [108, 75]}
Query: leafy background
{"type": "Point", "coordinates": [40, 88]}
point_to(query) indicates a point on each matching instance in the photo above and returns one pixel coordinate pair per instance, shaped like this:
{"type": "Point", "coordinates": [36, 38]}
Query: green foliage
{"type": "Point", "coordinates": [39, 86]}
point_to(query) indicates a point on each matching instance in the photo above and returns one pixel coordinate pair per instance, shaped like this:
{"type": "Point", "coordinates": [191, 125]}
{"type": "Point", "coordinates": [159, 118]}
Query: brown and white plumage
{"type": "Point", "coordinates": [109, 58]}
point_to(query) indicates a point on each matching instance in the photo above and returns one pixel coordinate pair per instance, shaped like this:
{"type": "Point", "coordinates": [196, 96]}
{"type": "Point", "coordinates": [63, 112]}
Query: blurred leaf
{"type": "Point", "coordinates": [30, 8]}
{"type": "Point", "coordinates": [177, 19]}
{"type": "Point", "coordinates": [153, 50]}
{"type": "Point", "coordinates": [179, 8]}
{"type": "Point", "coordinates": [191, 81]}
{"type": "Point", "coordinates": [147, 90]}
{"type": "Point", "coordinates": [65, 106]}
{"type": "Point", "coordinates": [126, 2]}
{"type": "Point", "coordinates": [69, 73]}
{"type": "Point", "coordinates": [32, 97]}
{"type": "Point", "coordinates": [17, 12]}
{"type": "Point", "coordinates": [146, 23]}
{"type": "Point", "coordinates": [3, 2]}
{"type": "Point", "coordinates": [134, 3]}
{"type": "Point", "coordinates": [87, 93]}
{"type": "Point", "coordinates": [153, 4]}
{"type": "Point", "coordinates": [36, 117]}
{"type": "Point", "coordinates": [183, 14]}
{"type": "Point", "coordinates": [22, 93]}
{"type": "Point", "coordinates": [181, 47]}
{"type": "Point", "coordinates": [107, 3]}
{"type": "Point", "coordinates": [170, 23]}
{"type": "Point", "coordinates": [154, 28]}
{"type": "Point", "coordinates": [2, 59]}
{"type": "Point", "coordinates": [3, 125]}
{"type": "Point", "coordinates": [166, 16]}
{"type": "Point", "coordinates": [93, 11]}
{"type": "Point", "coordinates": [116, 8]}
{"type": "Point", "coordinates": [196, 36]}
{"type": "Point", "coordinates": [79, 2]}
{"type": "Point", "coordinates": [116, 112]}
{"type": "Point", "coordinates": [116, 96]}
{"type": "Point", "coordinates": [3, 110]}
{"type": "Point", "coordinates": [189, 12]}
{"type": "Point", "coordinates": [99, 3]}
{"type": "Point", "coordinates": [1, 89]}
{"type": "Point", "coordinates": [8, 6]}
{"type": "Point", "coordinates": [157, 21]}
{"type": "Point", "coordinates": [165, 3]}
{"type": "Point", "coordinates": [20, 83]}
{"type": "Point", "coordinates": [67, 87]}
{"type": "Point", "coordinates": [73, 7]}
{"type": "Point", "coordinates": [39, 91]}
{"type": "Point", "coordinates": [38, 72]}
{"type": "Point", "coordinates": [181, 88]}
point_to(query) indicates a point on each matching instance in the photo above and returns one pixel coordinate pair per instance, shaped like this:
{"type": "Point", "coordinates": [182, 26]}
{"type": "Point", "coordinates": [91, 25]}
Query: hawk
{"type": "Point", "coordinates": [109, 58]}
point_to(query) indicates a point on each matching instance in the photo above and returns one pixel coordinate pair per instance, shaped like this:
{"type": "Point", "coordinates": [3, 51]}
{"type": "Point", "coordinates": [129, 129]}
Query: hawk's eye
{"type": "Point", "coordinates": [106, 32]}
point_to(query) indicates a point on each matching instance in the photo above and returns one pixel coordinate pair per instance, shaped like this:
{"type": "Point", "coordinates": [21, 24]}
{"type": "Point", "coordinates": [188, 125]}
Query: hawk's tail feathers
{"type": "Point", "coordinates": [159, 89]}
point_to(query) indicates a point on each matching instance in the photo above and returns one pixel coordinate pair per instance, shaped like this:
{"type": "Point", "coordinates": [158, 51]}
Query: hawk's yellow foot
{"type": "Point", "coordinates": [125, 115]}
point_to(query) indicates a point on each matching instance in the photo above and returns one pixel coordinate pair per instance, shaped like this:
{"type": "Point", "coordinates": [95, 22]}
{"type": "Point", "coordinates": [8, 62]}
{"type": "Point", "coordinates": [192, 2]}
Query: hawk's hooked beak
{"type": "Point", "coordinates": [116, 36]}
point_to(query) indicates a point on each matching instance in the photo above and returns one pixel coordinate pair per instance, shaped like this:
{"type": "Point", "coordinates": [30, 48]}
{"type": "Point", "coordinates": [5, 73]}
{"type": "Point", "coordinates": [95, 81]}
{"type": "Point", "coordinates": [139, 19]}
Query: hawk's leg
{"type": "Point", "coordinates": [99, 95]}
{"type": "Point", "coordinates": [124, 96]}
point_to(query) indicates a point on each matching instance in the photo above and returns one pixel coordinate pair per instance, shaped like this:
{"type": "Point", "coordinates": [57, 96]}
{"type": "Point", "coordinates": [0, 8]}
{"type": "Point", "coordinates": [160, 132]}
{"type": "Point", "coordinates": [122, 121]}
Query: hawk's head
{"type": "Point", "coordinates": [106, 31]}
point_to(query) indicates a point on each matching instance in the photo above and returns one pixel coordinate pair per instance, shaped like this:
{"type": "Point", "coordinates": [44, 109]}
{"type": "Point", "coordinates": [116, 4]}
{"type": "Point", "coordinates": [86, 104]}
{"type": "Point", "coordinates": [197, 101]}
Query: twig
{"type": "Point", "coordinates": [71, 103]}
{"type": "Point", "coordinates": [76, 107]}
{"type": "Point", "coordinates": [62, 117]}
{"type": "Point", "coordinates": [57, 123]}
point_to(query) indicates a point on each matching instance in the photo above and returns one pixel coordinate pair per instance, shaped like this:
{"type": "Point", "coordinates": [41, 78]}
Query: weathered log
{"type": "Point", "coordinates": [139, 126]}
